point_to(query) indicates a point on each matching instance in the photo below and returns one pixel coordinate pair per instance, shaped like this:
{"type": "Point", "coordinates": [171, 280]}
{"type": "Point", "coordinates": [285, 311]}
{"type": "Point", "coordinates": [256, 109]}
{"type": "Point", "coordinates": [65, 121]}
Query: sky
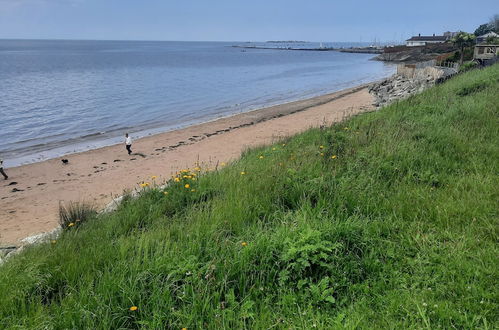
{"type": "Point", "coordinates": [237, 20]}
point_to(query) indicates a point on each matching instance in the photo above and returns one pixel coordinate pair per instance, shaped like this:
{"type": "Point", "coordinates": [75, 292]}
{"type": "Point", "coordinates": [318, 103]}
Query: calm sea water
{"type": "Point", "coordinates": [58, 97]}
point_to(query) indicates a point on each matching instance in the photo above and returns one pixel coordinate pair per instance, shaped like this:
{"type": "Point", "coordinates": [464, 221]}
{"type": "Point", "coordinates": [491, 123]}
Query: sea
{"type": "Point", "coordinates": [63, 96]}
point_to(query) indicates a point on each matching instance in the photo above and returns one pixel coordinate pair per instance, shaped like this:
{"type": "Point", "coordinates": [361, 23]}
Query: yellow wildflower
{"type": "Point", "coordinates": [193, 190]}
{"type": "Point", "coordinates": [177, 179]}
{"type": "Point", "coordinates": [133, 308]}
{"type": "Point", "coordinates": [193, 179]}
{"type": "Point", "coordinates": [184, 328]}
{"type": "Point", "coordinates": [244, 244]}
{"type": "Point", "coordinates": [153, 177]}
{"type": "Point", "coordinates": [243, 173]}
{"type": "Point", "coordinates": [71, 224]}
{"type": "Point", "coordinates": [53, 241]}
{"type": "Point", "coordinates": [222, 164]}
{"type": "Point", "coordinates": [261, 157]}
{"type": "Point", "coordinates": [284, 144]}
{"type": "Point", "coordinates": [197, 169]}
{"type": "Point", "coordinates": [187, 186]}
{"type": "Point", "coordinates": [333, 156]}
{"type": "Point", "coordinates": [273, 149]}
{"type": "Point", "coordinates": [165, 193]}
{"type": "Point", "coordinates": [185, 171]}
{"type": "Point", "coordinates": [145, 184]}
{"type": "Point", "coordinates": [322, 154]}
{"type": "Point", "coordinates": [321, 147]}
{"type": "Point", "coordinates": [346, 128]}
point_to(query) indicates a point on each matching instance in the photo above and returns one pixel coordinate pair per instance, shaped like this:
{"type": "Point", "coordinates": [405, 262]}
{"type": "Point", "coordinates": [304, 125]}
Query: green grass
{"type": "Point", "coordinates": [400, 230]}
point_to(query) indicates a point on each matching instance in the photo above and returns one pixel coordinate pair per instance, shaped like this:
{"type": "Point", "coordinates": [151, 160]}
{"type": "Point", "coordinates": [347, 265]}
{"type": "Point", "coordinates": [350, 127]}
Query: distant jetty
{"type": "Point", "coordinates": [361, 50]}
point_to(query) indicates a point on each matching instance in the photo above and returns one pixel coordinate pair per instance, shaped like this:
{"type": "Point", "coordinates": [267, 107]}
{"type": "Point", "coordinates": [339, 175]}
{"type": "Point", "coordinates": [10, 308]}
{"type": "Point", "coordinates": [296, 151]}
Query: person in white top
{"type": "Point", "coordinates": [5, 176]}
{"type": "Point", "coordinates": [128, 143]}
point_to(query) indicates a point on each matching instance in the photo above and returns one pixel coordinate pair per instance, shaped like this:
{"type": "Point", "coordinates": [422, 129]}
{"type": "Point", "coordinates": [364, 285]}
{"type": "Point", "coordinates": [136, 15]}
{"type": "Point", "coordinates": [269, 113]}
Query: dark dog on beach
{"type": "Point", "coordinates": [65, 161]}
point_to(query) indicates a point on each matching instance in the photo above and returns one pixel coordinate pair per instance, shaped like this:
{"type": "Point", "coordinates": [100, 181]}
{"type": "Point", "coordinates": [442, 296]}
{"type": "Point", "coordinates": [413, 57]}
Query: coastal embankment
{"type": "Point", "coordinates": [30, 199]}
{"type": "Point", "coordinates": [386, 220]}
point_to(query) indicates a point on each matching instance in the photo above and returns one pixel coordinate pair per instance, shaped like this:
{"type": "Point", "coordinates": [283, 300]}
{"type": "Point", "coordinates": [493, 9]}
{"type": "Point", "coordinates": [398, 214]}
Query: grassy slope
{"type": "Point", "coordinates": [400, 230]}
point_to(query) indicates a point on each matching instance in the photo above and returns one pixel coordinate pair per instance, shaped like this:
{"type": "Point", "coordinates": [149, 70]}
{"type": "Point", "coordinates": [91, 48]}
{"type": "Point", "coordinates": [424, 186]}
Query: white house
{"type": "Point", "coordinates": [483, 38]}
{"type": "Point", "coordinates": [424, 40]}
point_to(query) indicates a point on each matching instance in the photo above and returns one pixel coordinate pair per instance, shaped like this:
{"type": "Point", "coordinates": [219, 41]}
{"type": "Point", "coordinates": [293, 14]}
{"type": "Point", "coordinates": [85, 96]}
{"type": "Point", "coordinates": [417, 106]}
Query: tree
{"type": "Point", "coordinates": [494, 23]}
{"type": "Point", "coordinates": [463, 40]}
{"type": "Point", "coordinates": [483, 29]}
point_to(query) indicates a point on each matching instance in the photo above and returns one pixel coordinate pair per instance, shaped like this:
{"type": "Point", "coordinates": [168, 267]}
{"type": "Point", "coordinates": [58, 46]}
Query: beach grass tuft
{"type": "Point", "coordinates": [73, 214]}
{"type": "Point", "coordinates": [386, 220]}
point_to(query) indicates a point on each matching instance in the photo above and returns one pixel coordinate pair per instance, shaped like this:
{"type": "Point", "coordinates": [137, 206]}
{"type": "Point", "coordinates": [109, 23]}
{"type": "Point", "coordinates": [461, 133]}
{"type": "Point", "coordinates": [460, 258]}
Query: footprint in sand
{"type": "Point", "coordinates": [117, 160]}
{"type": "Point", "coordinates": [13, 183]}
{"type": "Point", "coordinates": [41, 184]}
{"type": "Point", "coordinates": [103, 163]}
{"type": "Point", "coordinates": [16, 190]}
{"type": "Point", "coordinates": [133, 158]}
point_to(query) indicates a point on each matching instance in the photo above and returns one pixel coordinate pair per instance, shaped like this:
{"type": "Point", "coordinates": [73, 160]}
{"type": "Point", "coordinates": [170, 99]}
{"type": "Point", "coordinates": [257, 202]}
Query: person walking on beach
{"type": "Point", "coordinates": [128, 143]}
{"type": "Point", "coordinates": [5, 176]}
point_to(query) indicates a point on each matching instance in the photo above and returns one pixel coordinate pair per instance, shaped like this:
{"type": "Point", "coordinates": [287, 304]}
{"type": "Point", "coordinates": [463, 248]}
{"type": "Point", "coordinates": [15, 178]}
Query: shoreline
{"type": "Point", "coordinates": [99, 175]}
{"type": "Point", "coordinates": [81, 144]}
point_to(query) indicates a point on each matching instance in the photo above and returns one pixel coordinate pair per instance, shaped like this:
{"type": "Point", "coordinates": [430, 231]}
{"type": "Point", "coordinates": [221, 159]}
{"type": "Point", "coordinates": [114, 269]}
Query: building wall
{"type": "Point", "coordinates": [422, 43]}
{"type": "Point", "coordinates": [415, 43]}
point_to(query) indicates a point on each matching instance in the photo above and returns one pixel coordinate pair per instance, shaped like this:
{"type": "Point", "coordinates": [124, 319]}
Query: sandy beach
{"type": "Point", "coordinates": [31, 205]}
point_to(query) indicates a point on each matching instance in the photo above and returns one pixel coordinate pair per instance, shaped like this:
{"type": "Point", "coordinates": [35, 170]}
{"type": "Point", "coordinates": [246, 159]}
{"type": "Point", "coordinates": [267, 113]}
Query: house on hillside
{"type": "Point", "coordinates": [483, 38]}
{"type": "Point", "coordinates": [484, 53]}
{"type": "Point", "coordinates": [424, 40]}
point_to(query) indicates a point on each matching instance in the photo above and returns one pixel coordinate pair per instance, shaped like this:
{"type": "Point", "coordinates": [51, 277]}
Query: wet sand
{"type": "Point", "coordinates": [31, 205]}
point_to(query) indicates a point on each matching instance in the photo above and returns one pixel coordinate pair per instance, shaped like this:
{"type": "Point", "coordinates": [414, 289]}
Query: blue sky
{"type": "Point", "coordinates": [235, 20]}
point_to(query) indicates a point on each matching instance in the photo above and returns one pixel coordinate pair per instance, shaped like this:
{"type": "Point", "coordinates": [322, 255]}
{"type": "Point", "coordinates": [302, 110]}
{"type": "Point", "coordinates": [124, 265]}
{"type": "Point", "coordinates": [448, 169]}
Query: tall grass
{"type": "Point", "coordinates": [388, 220]}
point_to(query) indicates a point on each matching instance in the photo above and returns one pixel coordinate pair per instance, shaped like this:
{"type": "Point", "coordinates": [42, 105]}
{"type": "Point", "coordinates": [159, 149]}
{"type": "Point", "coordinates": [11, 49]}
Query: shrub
{"type": "Point", "coordinates": [75, 213]}
{"type": "Point", "coordinates": [468, 66]}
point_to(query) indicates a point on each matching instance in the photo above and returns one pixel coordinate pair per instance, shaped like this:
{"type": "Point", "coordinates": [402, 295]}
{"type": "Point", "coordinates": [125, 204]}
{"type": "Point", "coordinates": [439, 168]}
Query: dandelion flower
{"type": "Point", "coordinates": [322, 154]}
{"type": "Point", "coordinates": [177, 179]}
{"type": "Point", "coordinates": [261, 157]}
{"type": "Point", "coordinates": [244, 244]}
{"type": "Point", "coordinates": [321, 147]}
{"type": "Point", "coordinates": [133, 308]}
{"type": "Point", "coordinates": [184, 328]}
{"type": "Point", "coordinates": [243, 173]}
{"type": "Point", "coordinates": [346, 128]}
{"type": "Point", "coordinates": [197, 169]}
{"type": "Point", "coordinates": [284, 144]}
{"type": "Point", "coordinates": [187, 186]}
{"type": "Point", "coordinates": [53, 241]}
{"type": "Point", "coordinates": [333, 157]}
{"type": "Point", "coordinates": [222, 164]}
{"type": "Point", "coordinates": [273, 149]}
{"type": "Point", "coordinates": [193, 190]}
{"type": "Point", "coordinates": [165, 193]}
{"type": "Point", "coordinates": [153, 177]}
{"type": "Point", "coordinates": [71, 224]}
